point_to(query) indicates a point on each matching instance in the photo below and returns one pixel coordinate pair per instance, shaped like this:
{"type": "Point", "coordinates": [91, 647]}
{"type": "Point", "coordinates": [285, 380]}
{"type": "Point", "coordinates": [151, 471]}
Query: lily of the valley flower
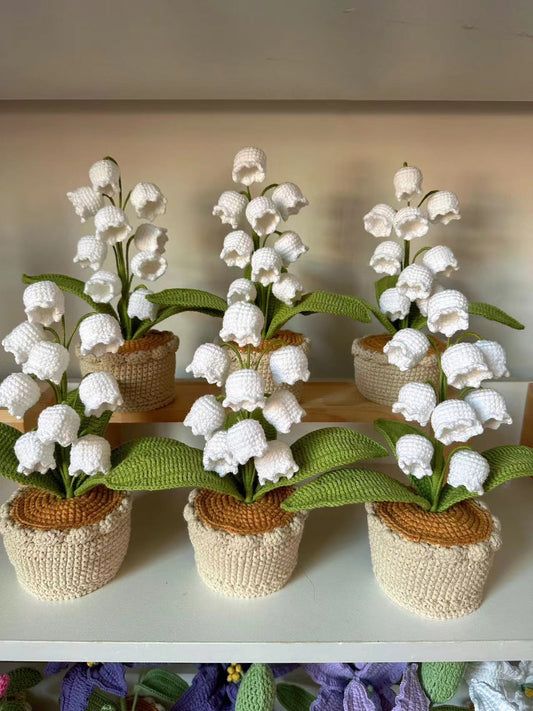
{"type": "Point", "coordinates": [464, 366]}
{"type": "Point", "coordinates": [443, 206]}
{"type": "Point", "coordinates": [490, 407]}
{"type": "Point", "coordinates": [289, 365]}
{"type": "Point", "coordinates": [277, 462]}
{"type": "Point", "coordinates": [90, 455]}
{"type": "Point", "coordinates": [242, 323]}
{"type": "Point", "coordinates": [139, 306]}
{"type": "Point", "coordinates": [206, 416]}
{"type": "Point", "coordinates": [263, 215]}
{"type": "Point", "coordinates": [217, 456]}
{"type": "Point", "coordinates": [495, 357]}
{"type": "Point", "coordinates": [99, 392]}
{"type": "Point", "coordinates": [245, 390]}
{"type": "Point", "coordinates": [249, 166]}
{"type": "Point", "coordinates": [58, 423]}
{"type": "Point", "coordinates": [407, 182]}
{"type": "Point", "coordinates": [501, 686]}
{"type": "Point", "coordinates": [289, 199]}
{"type": "Point", "coordinates": [237, 249]}
{"type": "Point", "coordinates": [102, 287]}
{"type": "Point", "coordinates": [150, 238]}
{"type": "Point", "coordinates": [148, 266]}
{"type": "Point", "coordinates": [410, 223]}
{"type": "Point", "coordinates": [422, 304]}
{"type": "Point", "coordinates": [289, 246]}
{"type": "Point", "coordinates": [99, 334]}
{"type": "Point", "coordinates": [266, 266]}
{"type": "Point", "coordinates": [91, 252]}
{"type": "Point", "coordinates": [469, 469]}
{"type": "Point", "coordinates": [47, 361]}
{"type": "Point", "coordinates": [378, 222]}
{"type": "Point", "coordinates": [105, 176]}
{"type": "Point", "coordinates": [86, 202]}
{"type": "Point", "coordinates": [19, 392]}
{"type": "Point", "coordinates": [288, 289]}
{"type": "Point", "coordinates": [394, 304]}
{"type": "Point", "coordinates": [241, 290]}
{"type": "Point", "coordinates": [230, 208]}
{"type": "Point", "coordinates": [282, 410]}
{"type": "Point", "coordinates": [246, 439]}
{"type": "Point", "coordinates": [148, 201]}
{"type": "Point", "coordinates": [440, 260]}
{"type": "Point", "coordinates": [111, 224]}
{"type": "Point", "coordinates": [387, 258]}
{"type": "Point", "coordinates": [44, 303]}
{"type": "Point", "coordinates": [447, 312]}
{"type": "Point", "coordinates": [416, 402]}
{"type": "Point", "coordinates": [455, 421]}
{"type": "Point", "coordinates": [210, 362]}
{"type": "Point", "coordinates": [415, 281]}
{"type": "Point", "coordinates": [33, 455]}
{"type": "Point", "coordinates": [406, 348]}
{"type": "Point", "coordinates": [21, 340]}
{"type": "Point", "coordinates": [414, 454]}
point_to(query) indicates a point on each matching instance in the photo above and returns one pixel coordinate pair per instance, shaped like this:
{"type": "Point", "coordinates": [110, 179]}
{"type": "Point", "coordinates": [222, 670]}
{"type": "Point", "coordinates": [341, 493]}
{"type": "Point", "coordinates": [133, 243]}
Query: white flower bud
{"type": "Point", "coordinates": [90, 455]}
{"type": "Point", "coordinates": [105, 176]}
{"type": "Point", "coordinates": [455, 421]}
{"type": "Point", "coordinates": [415, 282]}
{"type": "Point", "coordinates": [394, 304]}
{"type": "Point", "coordinates": [469, 469]}
{"type": "Point", "coordinates": [58, 423]}
{"type": "Point", "coordinates": [86, 202]}
{"type": "Point", "coordinates": [276, 463]}
{"type": "Point", "coordinates": [262, 215]}
{"type": "Point", "coordinates": [410, 223]}
{"type": "Point", "coordinates": [290, 247]}
{"type": "Point", "coordinates": [44, 303]}
{"type": "Point", "coordinates": [282, 410]}
{"type": "Point", "coordinates": [99, 392]}
{"type": "Point", "coordinates": [416, 402]}
{"type": "Point", "coordinates": [210, 362]}
{"type": "Point", "coordinates": [246, 439]}
{"type": "Point", "coordinates": [490, 407]}
{"type": "Point", "coordinates": [19, 392]}
{"type": "Point", "coordinates": [91, 252]}
{"type": "Point", "coordinates": [440, 260]}
{"type": "Point", "coordinates": [387, 258]}
{"type": "Point", "coordinates": [242, 323]}
{"type": "Point", "coordinates": [21, 340]}
{"type": "Point", "coordinates": [230, 208]}
{"type": "Point", "coordinates": [464, 366]}
{"type": "Point", "coordinates": [237, 249]}
{"type": "Point", "coordinates": [288, 289]}
{"type": "Point", "coordinates": [217, 456]}
{"type": "Point", "coordinates": [99, 334]}
{"type": "Point", "coordinates": [102, 287]}
{"type": "Point", "coordinates": [495, 357]}
{"type": "Point", "coordinates": [289, 199]}
{"type": "Point", "coordinates": [414, 454]}
{"type": "Point", "coordinates": [289, 365]}
{"type": "Point", "coordinates": [148, 201]}
{"type": "Point", "coordinates": [266, 266]}
{"type": "Point", "coordinates": [47, 361]}
{"type": "Point", "coordinates": [447, 312]}
{"type": "Point", "coordinates": [245, 390]}
{"type": "Point", "coordinates": [249, 166]}
{"type": "Point", "coordinates": [139, 306]}
{"type": "Point", "coordinates": [241, 290]}
{"type": "Point", "coordinates": [406, 348]}
{"type": "Point", "coordinates": [150, 238]}
{"type": "Point", "coordinates": [443, 206]}
{"type": "Point", "coordinates": [33, 455]}
{"type": "Point", "coordinates": [112, 225]}
{"type": "Point", "coordinates": [206, 416]}
{"type": "Point", "coordinates": [378, 222]}
{"type": "Point", "coordinates": [148, 266]}
{"type": "Point", "coordinates": [407, 182]}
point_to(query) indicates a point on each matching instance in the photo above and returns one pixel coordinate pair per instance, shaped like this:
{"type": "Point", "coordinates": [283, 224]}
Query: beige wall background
{"type": "Point", "coordinates": [342, 155]}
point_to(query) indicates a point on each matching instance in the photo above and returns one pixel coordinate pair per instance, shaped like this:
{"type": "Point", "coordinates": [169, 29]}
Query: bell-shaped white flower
{"type": "Point", "coordinates": [414, 454]}
{"type": "Point", "coordinates": [289, 365]}
{"type": "Point", "coordinates": [150, 238]}
{"type": "Point", "coordinates": [90, 455]}
{"type": "Point", "coordinates": [105, 176]}
{"type": "Point", "coordinates": [406, 348]}
{"type": "Point", "coordinates": [148, 266]}
{"type": "Point", "coordinates": [495, 357]}
{"type": "Point", "coordinates": [447, 312]}
{"type": "Point", "coordinates": [139, 306]}
{"type": "Point", "coordinates": [246, 439]}
{"type": "Point", "coordinates": [289, 199]}
{"type": "Point", "coordinates": [276, 463]}
{"type": "Point", "coordinates": [91, 252]}
{"type": "Point", "coordinates": [230, 208]}
{"type": "Point", "coordinates": [443, 206]}
{"type": "Point", "coordinates": [440, 260]}
{"type": "Point", "coordinates": [464, 366]}
{"type": "Point", "coordinates": [387, 258]}
{"type": "Point", "coordinates": [245, 390]}
{"type": "Point", "coordinates": [266, 266]}
{"type": "Point", "coordinates": [86, 202]}
{"type": "Point", "coordinates": [47, 361]}
{"type": "Point", "coordinates": [249, 166]}
{"type": "Point", "coordinates": [44, 303]}
{"type": "Point", "coordinates": [288, 289]}
{"type": "Point", "coordinates": [58, 423]}
{"type": "Point", "coordinates": [33, 455]}
{"type": "Point", "coordinates": [490, 407]}
{"type": "Point", "coordinates": [241, 290]}
{"type": "Point", "coordinates": [407, 182]}
{"type": "Point", "coordinates": [416, 402]}
{"type": "Point", "coordinates": [21, 340]}
{"type": "Point", "coordinates": [242, 323]}
{"type": "Point", "coordinates": [206, 416]}
{"type": "Point", "coordinates": [469, 469]}
{"type": "Point", "coordinates": [148, 201]}
{"type": "Point", "coordinates": [423, 303]}
{"type": "Point", "coordinates": [99, 392]}
{"type": "Point", "coordinates": [237, 249]}
{"type": "Point", "coordinates": [210, 362]}
{"type": "Point", "coordinates": [282, 410]}
{"type": "Point", "coordinates": [102, 287]}
{"type": "Point", "coordinates": [410, 223]}
{"type": "Point", "coordinates": [262, 215]}
{"type": "Point", "coordinates": [217, 456]}
{"type": "Point", "coordinates": [290, 247]}
{"type": "Point", "coordinates": [415, 281]}
{"type": "Point", "coordinates": [111, 224]}
{"type": "Point", "coordinates": [394, 304]}
{"type": "Point", "coordinates": [455, 421]}
{"type": "Point", "coordinates": [19, 392]}
{"type": "Point", "coordinates": [99, 334]}
{"type": "Point", "coordinates": [378, 222]}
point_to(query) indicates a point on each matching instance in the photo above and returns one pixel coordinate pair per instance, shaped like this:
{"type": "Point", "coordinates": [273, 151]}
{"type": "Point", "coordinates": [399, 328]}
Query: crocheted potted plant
{"type": "Point", "coordinates": [143, 359]}
{"type": "Point", "coordinates": [13, 688]}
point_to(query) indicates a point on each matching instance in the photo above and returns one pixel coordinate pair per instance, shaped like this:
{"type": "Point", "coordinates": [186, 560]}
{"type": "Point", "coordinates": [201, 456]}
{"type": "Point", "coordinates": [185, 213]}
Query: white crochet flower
{"type": "Point", "coordinates": [276, 463]}
{"type": "Point", "coordinates": [237, 249]}
{"type": "Point", "coordinates": [407, 182]}
{"type": "Point", "coordinates": [464, 366]}
{"type": "Point", "coordinates": [447, 312]}
{"type": "Point", "coordinates": [387, 258]}
{"type": "Point", "coordinates": [91, 252]}
{"type": "Point", "coordinates": [99, 392]}
{"type": "Point", "coordinates": [406, 348]}
{"type": "Point", "coordinates": [249, 166]}
{"type": "Point", "coordinates": [148, 201]}
{"type": "Point", "coordinates": [242, 323]}
{"type": "Point", "coordinates": [495, 357]}
{"type": "Point", "coordinates": [455, 421]}
{"type": "Point", "coordinates": [469, 469]}
{"type": "Point", "coordinates": [241, 290]}
{"type": "Point", "coordinates": [394, 304]}
{"type": "Point", "coordinates": [102, 287]}
{"type": "Point", "coordinates": [414, 454]}
{"type": "Point", "coordinates": [112, 225]}
{"type": "Point", "coordinates": [378, 222]}
{"type": "Point", "coordinates": [246, 439]}
{"type": "Point", "coordinates": [86, 202]}
{"type": "Point", "coordinates": [490, 407]}
{"type": "Point", "coordinates": [90, 455]}
{"type": "Point", "coordinates": [206, 416]}
{"type": "Point", "coordinates": [288, 289]}
{"type": "Point", "coordinates": [282, 410]}
{"type": "Point", "coordinates": [289, 246]}
{"type": "Point", "coordinates": [217, 456]}
{"type": "Point", "coordinates": [139, 306]}
{"type": "Point", "coordinates": [230, 208]}
{"type": "Point", "coordinates": [289, 199]}
{"type": "Point", "coordinates": [440, 260]}
{"type": "Point", "coordinates": [443, 207]}
{"type": "Point", "coordinates": [58, 423]}
{"type": "Point", "coordinates": [19, 392]}
{"type": "Point", "coordinates": [148, 266]}
{"type": "Point", "coordinates": [210, 362]}
{"type": "Point", "coordinates": [150, 238]}
{"type": "Point", "coordinates": [422, 304]}
{"type": "Point", "coordinates": [266, 266]}
{"type": "Point", "coordinates": [44, 303]}
{"type": "Point", "coordinates": [33, 455]}
{"type": "Point", "coordinates": [410, 223]}
{"type": "Point", "coordinates": [105, 176]}
{"type": "Point", "coordinates": [99, 334]}
{"type": "Point", "coordinates": [47, 361]}
{"type": "Point", "coordinates": [416, 402]}
{"type": "Point", "coordinates": [415, 282]}
{"type": "Point", "coordinates": [245, 390]}
{"type": "Point", "coordinates": [289, 365]}
{"type": "Point", "coordinates": [262, 215]}
{"type": "Point", "coordinates": [21, 340]}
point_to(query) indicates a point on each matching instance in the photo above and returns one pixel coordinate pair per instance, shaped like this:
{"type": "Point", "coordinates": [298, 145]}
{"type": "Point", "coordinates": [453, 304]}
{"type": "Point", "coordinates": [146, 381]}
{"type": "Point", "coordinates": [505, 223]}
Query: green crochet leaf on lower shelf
{"type": "Point", "coordinates": [162, 685]}
{"type": "Point", "coordinates": [99, 701]}
{"type": "Point", "coordinates": [257, 691]}
{"type": "Point", "coordinates": [493, 313]}
{"type": "Point", "coordinates": [441, 680]}
{"type": "Point", "coordinates": [294, 698]}
{"type": "Point", "coordinates": [18, 705]}
{"type": "Point", "coordinates": [23, 678]}
{"type": "Point", "coordinates": [190, 300]}
{"type": "Point", "coordinates": [70, 285]}
{"type": "Point", "coordinates": [9, 463]}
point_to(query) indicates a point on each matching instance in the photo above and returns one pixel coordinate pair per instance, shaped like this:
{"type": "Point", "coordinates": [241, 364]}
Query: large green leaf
{"type": "Point", "coordinates": [8, 463]}
{"type": "Point", "coordinates": [257, 691]}
{"type": "Point", "coordinates": [381, 285]}
{"type": "Point", "coordinates": [294, 698]}
{"type": "Point", "coordinates": [179, 300]}
{"type": "Point", "coordinates": [384, 321]}
{"type": "Point", "coordinates": [451, 495]}
{"type": "Point", "coordinates": [162, 685]}
{"type": "Point", "coordinates": [70, 285]}
{"type": "Point", "coordinates": [440, 680]}
{"type": "Point", "coordinates": [23, 678]}
{"type": "Point", "coordinates": [493, 313]}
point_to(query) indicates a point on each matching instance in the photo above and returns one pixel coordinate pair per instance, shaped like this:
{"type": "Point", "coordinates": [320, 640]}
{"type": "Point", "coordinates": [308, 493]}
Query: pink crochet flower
{"type": "Point", "coordinates": [5, 681]}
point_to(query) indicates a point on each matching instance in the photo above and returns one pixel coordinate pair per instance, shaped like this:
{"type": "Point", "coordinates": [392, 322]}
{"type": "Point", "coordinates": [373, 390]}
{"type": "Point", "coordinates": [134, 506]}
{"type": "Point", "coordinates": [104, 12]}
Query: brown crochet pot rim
{"type": "Point", "coordinates": [464, 524]}
{"type": "Point", "coordinates": [282, 338]}
{"type": "Point", "coordinates": [152, 339]}
{"type": "Point", "coordinates": [375, 342]}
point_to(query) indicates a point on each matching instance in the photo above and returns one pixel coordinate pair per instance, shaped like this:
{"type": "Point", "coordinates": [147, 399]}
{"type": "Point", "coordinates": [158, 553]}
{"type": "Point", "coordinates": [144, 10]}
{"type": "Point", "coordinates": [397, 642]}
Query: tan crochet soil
{"type": "Point", "coordinates": [225, 513]}
{"type": "Point", "coordinates": [463, 524]}
{"type": "Point", "coordinates": [40, 509]}
{"type": "Point", "coordinates": [282, 338]}
{"type": "Point", "coordinates": [377, 341]}
{"type": "Point", "coordinates": [153, 339]}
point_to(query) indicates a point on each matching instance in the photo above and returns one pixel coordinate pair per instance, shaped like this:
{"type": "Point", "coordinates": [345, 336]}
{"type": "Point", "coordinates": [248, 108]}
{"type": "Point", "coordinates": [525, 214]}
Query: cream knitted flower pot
{"type": "Point", "coordinates": [435, 580]}
{"type": "Point", "coordinates": [66, 563]}
{"type": "Point", "coordinates": [244, 566]}
{"type": "Point", "coordinates": [380, 382]}
{"type": "Point", "coordinates": [144, 369]}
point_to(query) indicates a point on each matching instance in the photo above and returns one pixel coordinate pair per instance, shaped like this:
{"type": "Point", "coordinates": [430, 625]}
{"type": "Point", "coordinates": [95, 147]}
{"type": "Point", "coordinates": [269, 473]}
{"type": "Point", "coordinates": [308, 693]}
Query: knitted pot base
{"type": "Point", "coordinates": [441, 580]}
{"type": "Point", "coordinates": [144, 369]}
{"type": "Point", "coordinates": [244, 566]}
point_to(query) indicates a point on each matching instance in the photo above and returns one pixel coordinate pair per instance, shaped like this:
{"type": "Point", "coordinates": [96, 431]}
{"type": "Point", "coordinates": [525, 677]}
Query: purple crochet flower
{"type": "Point", "coordinates": [81, 679]}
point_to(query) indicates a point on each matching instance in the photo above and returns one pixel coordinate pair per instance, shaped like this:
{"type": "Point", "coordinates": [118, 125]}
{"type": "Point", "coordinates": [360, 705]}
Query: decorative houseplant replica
{"type": "Point", "coordinates": [14, 686]}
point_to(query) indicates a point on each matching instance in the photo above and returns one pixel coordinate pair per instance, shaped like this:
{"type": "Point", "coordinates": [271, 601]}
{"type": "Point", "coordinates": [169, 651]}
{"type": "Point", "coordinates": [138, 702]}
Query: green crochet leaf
{"type": "Point", "coordinates": [440, 680]}
{"type": "Point", "coordinates": [257, 691]}
{"type": "Point", "coordinates": [162, 685]}
{"type": "Point", "coordinates": [70, 285]}
{"type": "Point", "coordinates": [384, 321]}
{"type": "Point", "coordinates": [14, 705]}
{"type": "Point", "coordinates": [351, 486]}
{"type": "Point", "coordinates": [447, 707]}
{"type": "Point", "coordinates": [493, 313]}
{"type": "Point", "coordinates": [294, 698]}
{"type": "Point", "coordinates": [100, 701]}
{"type": "Point", "coordinates": [419, 322]}
{"type": "Point", "coordinates": [381, 285]}
{"type": "Point", "coordinates": [179, 300]}
{"type": "Point", "coordinates": [23, 678]}
{"type": "Point", "coordinates": [9, 463]}
{"type": "Point", "coordinates": [89, 425]}
{"type": "Point", "coordinates": [452, 495]}
{"type": "Point", "coordinates": [319, 302]}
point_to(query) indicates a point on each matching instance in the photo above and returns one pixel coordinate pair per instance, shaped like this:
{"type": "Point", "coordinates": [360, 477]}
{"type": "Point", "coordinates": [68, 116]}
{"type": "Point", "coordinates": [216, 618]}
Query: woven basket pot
{"type": "Point", "coordinates": [243, 550]}
{"type": "Point", "coordinates": [380, 382]}
{"type": "Point", "coordinates": [65, 548]}
{"type": "Point", "coordinates": [144, 368]}
{"type": "Point", "coordinates": [433, 564]}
